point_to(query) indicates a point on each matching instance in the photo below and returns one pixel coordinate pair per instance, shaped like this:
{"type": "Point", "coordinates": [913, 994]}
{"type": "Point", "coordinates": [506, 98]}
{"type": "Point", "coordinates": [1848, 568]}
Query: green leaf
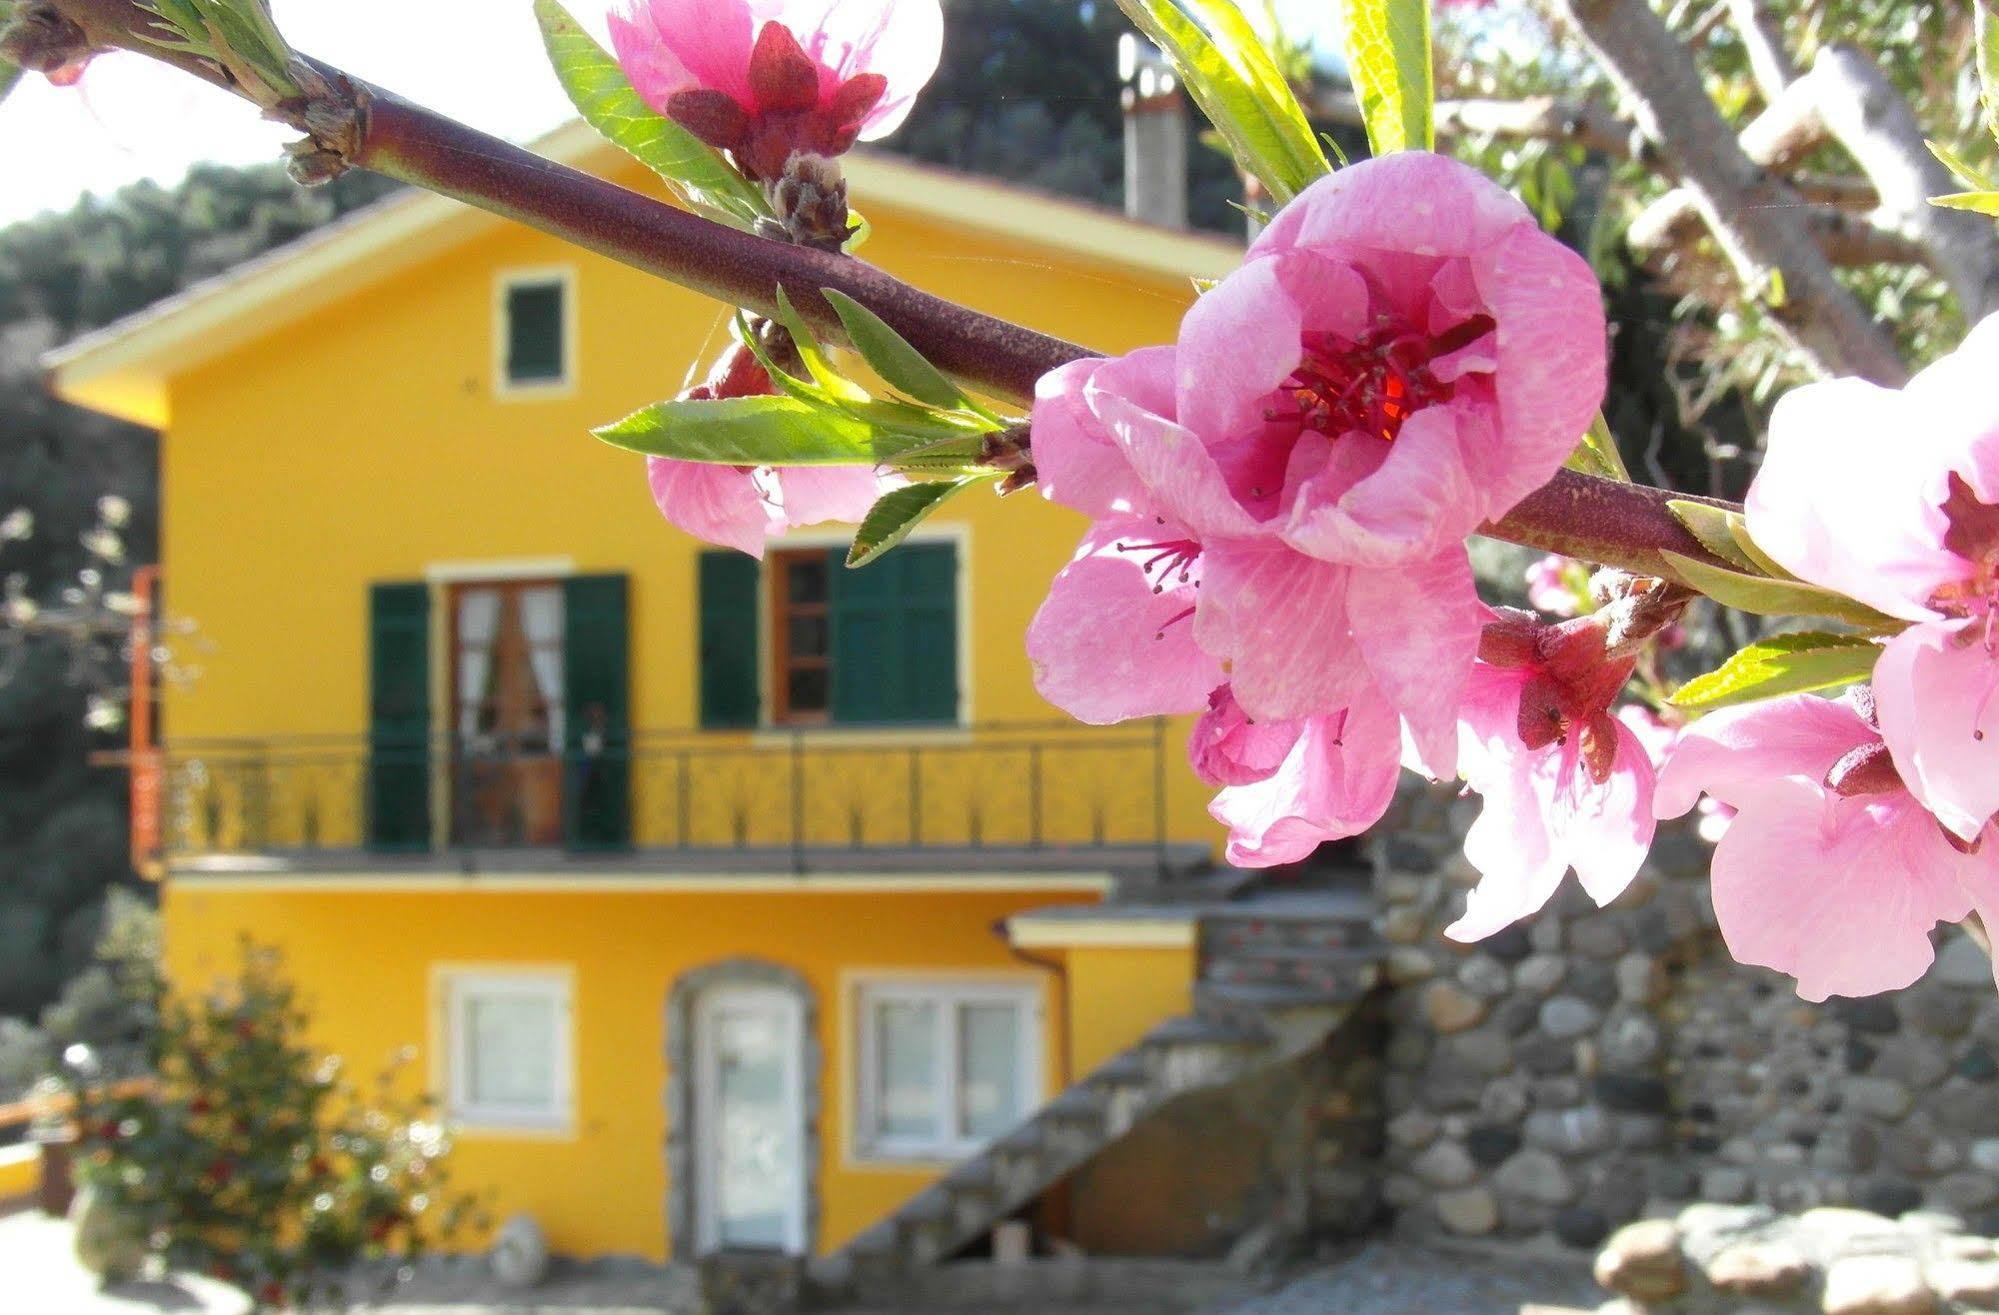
{"type": "Point", "coordinates": [1781, 664]}
{"type": "Point", "coordinates": [1985, 26]}
{"type": "Point", "coordinates": [604, 97]}
{"type": "Point", "coordinates": [1236, 81]}
{"type": "Point", "coordinates": [891, 519]}
{"type": "Point", "coordinates": [1597, 454]}
{"type": "Point", "coordinates": [1765, 597]}
{"type": "Point", "coordinates": [747, 431]}
{"type": "Point", "coordinates": [1958, 165]}
{"type": "Point", "coordinates": [1710, 524]}
{"type": "Point", "coordinates": [10, 74]}
{"type": "Point", "coordinates": [1738, 528]}
{"type": "Point", "coordinates": [891, 356]}
{"type": "Point", "coordinates": [832, 385]}
{"type": "Point", "coordinates": [1388, 53]}
{"type": "Point", "coordinates": [1984, 203]}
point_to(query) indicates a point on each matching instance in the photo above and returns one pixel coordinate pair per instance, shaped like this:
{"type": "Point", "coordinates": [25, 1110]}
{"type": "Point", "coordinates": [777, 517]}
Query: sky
{"type": "Point", "coordinates": [477, 60]}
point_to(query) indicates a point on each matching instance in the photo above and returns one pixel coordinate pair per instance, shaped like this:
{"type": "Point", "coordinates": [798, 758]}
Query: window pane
{"type": "Point", "coordinates": [907, 1070]}
{"type": "Point", "coordinates": [534, 333]}
{"type": "Point", "coordinates": [989, 1095]}
{"type": "Point", "coordinates": [807, 690]}
{"type": "Point", "coordinates": [510, 1052]}
{"type": "Point", "coordinates": [807, 579]}
{"type": "Point", "coordinates": [757, 1162]}
{"type": "Point", "coordinates": [809, 636]}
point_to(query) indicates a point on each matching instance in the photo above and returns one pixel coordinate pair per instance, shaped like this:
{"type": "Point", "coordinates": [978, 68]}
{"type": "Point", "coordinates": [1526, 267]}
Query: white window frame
{"type": "Point", "coordinates": [947, 994]}
{"type": "Point", "coordinates": [458, 987]}
{"type": "Point", "coordinates": [504, 385]}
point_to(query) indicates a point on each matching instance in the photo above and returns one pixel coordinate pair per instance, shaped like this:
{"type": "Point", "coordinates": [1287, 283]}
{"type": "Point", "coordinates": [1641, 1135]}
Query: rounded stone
{"type": "Point", "coordinates": [1569, 1132]}
{"type": "Point", "coordinates": [1631, 1040]}
{"type": "Point", "coordinates": [1641, 979]}
{"type": "Point", "coordinates": [1472, 1212]}
{"type": "Point", "coordinates": [1445, 1164]}
{"type": "Point", "coordinates": [1968, 1191]}
{"type": "Point", "coordinates": [1759, 1269]}
{"type": "Point", "coordinates": [1873, 1015]}
{"type": "Point", "coordinates": [1413, 1128]}
{"type": "Point", "coordinates": [1967, 1108]}
{"type": "Point", "coordinates": [1939, 1011]}
{"type": "Point", "coordinates": [1977, 1065]}
{"type": "Point", "coordinates": [519, 1254]}
{"type": "Point", "coordinates": [1450, 1008]}
{"type": "Point", "coordinates": [1642, 1261]}
{"type": "Point", "coordinates": [1546, 934]}
{"type": "Point", "coordinates": [1491, 1145]}
{"type": "Point", "coordinates": [1593, 982]}
{"type": "Point", "coordinates": [1538, 974]}
{"type": "Point", "coordinates": [1565, 1018]}
{"type": "Point", "coordinates": [1914, 1062]}
{"type": "Point", "coordinates": [1484, 1052]}
{"type": "Point", "coordinates": [1877, 1285]}
{"type": "Point", "coordinates": [1985, 1154]}
{"type": "Point", "coordinates": [1888, 1197]}
{"type": "Point", "coordinates": [1883, 1098]}
{"type": "Point", "coordinates": [1509, 944]}
{"type": "Point", "coordinates": [1599, 936]}
{"type": "Point", "coordinates": [1505, 1100]}
{"type": "Point", "coordinates": [1535, 1175]}
{"type": "Point", "coordinates": [1580, 1226]}
{"type": "Point", "coordinates": [1516, 1015]}
{"type": "Point", "coordinates": [1726, 1186]}
{"type": "Point", "coordinates": [1408, 965]}
{"type": "Point", "coordinates": [1485, 977]}
{"type": "Point", "coordinates": [1404, 924]}
{"type": "Point", "coordinates": [1632, 1093]}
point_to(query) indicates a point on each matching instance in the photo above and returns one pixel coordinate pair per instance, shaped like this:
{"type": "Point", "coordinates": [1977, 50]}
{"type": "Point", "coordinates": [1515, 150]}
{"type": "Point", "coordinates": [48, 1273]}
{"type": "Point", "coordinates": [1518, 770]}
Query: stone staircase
{"type": "Point", "coordinates": [1278, 976]}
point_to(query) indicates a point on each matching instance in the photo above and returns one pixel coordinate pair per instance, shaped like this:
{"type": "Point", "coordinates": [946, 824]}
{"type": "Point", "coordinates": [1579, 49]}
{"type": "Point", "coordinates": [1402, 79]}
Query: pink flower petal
{"type": "Point", "coordinates": [1337, 781]}
{"type": "Point", "coordinates": [1935, 689]}
{"type": "Point", "coordinates": [1836, 506]}
{"type": "Point", "coordinates": [1840, 893]}
{"type": "Point", "coordinates": [719, 504]}
{"type": "Point", "coordinates": [669, 46]}
{"type": "Point", "coordinates": [812, 495]}
{"type": "Point", "coordinates": [1237, 343]}
{"type": "Point", "coordinates": [1105, 647]}
{"type": "Point", "coordinates": [1415, 502]}
{"type": "Point", "coordinates": [1279, 619]}
{"type": "Point", "coordinates": [1411, 201]}
{"type": "Point", "coordinates": [1075, 460]}
{"type": "Point", "coordinates": [1417, 628]}
{"type": "Point", "coordinates": [1733, 754]}
{"type": "Point", "coordinates": [1229, 747]}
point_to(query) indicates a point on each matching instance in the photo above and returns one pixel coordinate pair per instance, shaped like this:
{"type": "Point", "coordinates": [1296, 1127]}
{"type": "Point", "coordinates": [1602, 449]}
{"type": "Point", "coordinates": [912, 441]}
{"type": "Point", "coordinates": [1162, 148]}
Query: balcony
{"type": "Point", "coordinates": [1033, 797]}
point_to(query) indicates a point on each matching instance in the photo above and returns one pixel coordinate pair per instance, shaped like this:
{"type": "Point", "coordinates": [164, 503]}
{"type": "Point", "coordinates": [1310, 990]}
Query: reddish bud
{"type": "Point", "coordinates": [782, 75]}
{"type": "Point", "coordinates": [1510, 639]}
{"type": "Point", "coordinates": [1866, 770]}
{"type": "Point", "coordinates": [856, 96]}
{"type": "Point", "coordinates": [713, 116]}
{"type": "Point", "coordinates": [1541, 721]}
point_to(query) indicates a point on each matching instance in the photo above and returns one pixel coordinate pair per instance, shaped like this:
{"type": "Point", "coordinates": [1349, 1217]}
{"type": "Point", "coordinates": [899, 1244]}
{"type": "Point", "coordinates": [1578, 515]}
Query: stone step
{"type": "Point", "coordinates": [1202, 1030]}
{"type": "Point", "coordinates": [1328, 969]}
{"type": "Point", "coordinates": [1230, 1000]}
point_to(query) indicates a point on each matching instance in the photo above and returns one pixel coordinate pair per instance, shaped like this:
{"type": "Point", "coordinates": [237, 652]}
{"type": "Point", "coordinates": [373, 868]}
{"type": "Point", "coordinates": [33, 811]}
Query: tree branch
{"type": "Point", "coordinates": [1619, 525]}
{"type": "Point", "coordinates": [1769, 62]}
{"type": "Point", "coordinates": [1585, 123]}
{"type": "Point", "coordinates": [1752, 213]}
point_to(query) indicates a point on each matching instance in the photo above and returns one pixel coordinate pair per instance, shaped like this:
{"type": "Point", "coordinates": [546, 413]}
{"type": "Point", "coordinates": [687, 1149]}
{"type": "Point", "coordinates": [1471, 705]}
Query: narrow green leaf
{"type": "Point", "coordinates": [1985, 25]}
{"type": "Point", "coordinates": [1781, 664]}
{"type": "Point", "coordinates": [1388, 54]}
{"type": "Point", "coordinates": [1710, 525]}
{"type": "Point", "coordinates": [832, 384]}
{"type": "Point", "coordinates": [10, 76]}
{"type": "Point", "coordinates": [746, 431]}
{"type": "Point", "coordinates": [1761, 597]}
{"type": "Point", "coordinates": [1957, 164]}
{"type": "Point", "coordinates": [1984, 203]}
{"type": "Point", "coordinates": [1738, 528]}
{"type": "Point", "coordinates": [1597, 454]}
{"type": "Point", "coordinates": [891, 519]}
{"type": "Point", "coordinates": [1236, 81]}
{"type": "Point", "coordinates": [891, 356]}
{"type": "Point", "coordinates": [605, 98]}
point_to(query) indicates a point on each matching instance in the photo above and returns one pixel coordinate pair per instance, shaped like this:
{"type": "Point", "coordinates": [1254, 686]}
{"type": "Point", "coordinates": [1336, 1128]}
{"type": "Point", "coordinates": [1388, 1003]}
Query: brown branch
{"type": "Point", "coordinates": [1620, 525]}
{"type": "Point", "coordinates": [1763, 40]}
{"type": "Point", "coordinates": [1751, 213]}
{"type": "Point", "coordinates": [1585, 123]}
{"type": "Point", "coordinates": [1672, 223]}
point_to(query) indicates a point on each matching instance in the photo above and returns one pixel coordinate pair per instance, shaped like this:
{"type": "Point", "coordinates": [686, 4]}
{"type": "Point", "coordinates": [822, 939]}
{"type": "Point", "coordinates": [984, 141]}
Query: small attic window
{"type": "Point", "coordinates": [535, 331]}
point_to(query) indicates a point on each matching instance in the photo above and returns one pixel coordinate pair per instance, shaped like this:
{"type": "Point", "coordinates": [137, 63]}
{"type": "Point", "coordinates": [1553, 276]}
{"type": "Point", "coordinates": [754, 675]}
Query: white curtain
{"type": "Point", "coordinates": [478, 622]}
{"type": "Point", "coordinates": [541, 617]}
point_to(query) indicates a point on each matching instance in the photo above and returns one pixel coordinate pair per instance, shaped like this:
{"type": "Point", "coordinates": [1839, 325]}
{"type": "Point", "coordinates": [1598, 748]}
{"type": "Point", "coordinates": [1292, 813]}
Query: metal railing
{"type": "Point", "coordinates": [723, 798]}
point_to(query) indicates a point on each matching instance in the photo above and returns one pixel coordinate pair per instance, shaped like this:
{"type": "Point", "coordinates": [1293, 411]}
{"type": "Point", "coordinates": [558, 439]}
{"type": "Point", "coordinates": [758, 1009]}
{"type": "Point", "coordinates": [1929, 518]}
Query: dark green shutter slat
{"type": "Point", "coordinates": [895, 638]}
{"type": "Point", "coordinates": [597, 793]}
{"type": "Point", "coordinates": [399, 717]}
{"type": "Point", "coordinates": [730, 696]}
{"type": "Point", "coordinates": [535, 325]}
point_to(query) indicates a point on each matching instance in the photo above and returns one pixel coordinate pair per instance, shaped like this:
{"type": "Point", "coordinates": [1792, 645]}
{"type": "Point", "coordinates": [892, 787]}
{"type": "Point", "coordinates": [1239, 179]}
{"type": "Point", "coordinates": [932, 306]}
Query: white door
{"type": "Point", "coordinates": [749, 1124]}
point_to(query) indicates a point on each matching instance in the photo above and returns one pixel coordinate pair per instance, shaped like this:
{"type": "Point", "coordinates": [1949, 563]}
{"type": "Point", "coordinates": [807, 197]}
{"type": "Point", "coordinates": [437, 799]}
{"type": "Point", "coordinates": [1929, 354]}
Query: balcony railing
{"type": "Point", "coordinates": [808, 799]}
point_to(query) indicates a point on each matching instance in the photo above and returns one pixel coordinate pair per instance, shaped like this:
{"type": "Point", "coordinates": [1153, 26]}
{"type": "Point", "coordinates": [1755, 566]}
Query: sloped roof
{"type": "Point", "coordinates": [124, 368]}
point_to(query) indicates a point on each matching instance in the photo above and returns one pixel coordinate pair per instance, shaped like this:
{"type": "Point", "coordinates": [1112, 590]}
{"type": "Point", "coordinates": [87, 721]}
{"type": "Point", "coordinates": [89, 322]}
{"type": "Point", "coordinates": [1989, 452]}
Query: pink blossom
{"type": "Point", "coordinates": [742, 506]}
{"type": "Point", "coordinates": [1892, 497]}
{"type": "Point", "coordinates": [1550, 586]}
{"type": "Point", "coordinates": [1281, 498]}
{"type": "Point", "coordinates": [1565, 783]}
{"type": "Point", "coordinates": [1830, 870]}
{"type": "Point", "coordinates": [764, 78]}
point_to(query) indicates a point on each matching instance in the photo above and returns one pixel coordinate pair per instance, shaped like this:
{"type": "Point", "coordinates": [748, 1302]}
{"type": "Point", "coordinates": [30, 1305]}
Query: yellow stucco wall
{"type": "Point", "coordinates": [1117, 994]}
{"type": "Point", "coordinates": [20, 1173]}
{"type": "Point", "coordinates": [365, 963]}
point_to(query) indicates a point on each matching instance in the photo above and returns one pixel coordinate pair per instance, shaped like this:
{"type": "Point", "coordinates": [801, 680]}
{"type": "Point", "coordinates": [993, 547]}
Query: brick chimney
{"type": "Point", "coordinates": [1155, 135]}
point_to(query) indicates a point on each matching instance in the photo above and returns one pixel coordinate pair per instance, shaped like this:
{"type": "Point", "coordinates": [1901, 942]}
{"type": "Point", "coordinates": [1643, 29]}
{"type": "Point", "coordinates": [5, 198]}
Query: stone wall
{"type": "Point", "coordinates": [1592, 1066]}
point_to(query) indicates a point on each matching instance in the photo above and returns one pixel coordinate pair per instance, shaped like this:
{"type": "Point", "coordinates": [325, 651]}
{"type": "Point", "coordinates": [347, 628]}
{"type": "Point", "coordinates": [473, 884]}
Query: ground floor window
{"type": "Point", "coordinates": [507, 1049]}
{"type": "Point", "coordinates": [944, 1067]}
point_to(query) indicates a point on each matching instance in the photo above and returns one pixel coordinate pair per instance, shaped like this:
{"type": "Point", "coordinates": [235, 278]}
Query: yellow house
{"type": "Point", "coordinates": [728, 905]}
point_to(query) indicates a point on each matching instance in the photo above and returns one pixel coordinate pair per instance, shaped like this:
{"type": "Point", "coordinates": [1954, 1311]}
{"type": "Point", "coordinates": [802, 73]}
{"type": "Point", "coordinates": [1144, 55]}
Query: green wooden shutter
{"type": "Point", "coordinates": [536, 321]}
{"type": "Point", "coordinates": [597, 778]}
{"type": "Point", "coordinates": [895, 637]}
{"type": "Point", "coordinates": [399, 717]}
{"type": "Point", "coordinates": [730, 692]}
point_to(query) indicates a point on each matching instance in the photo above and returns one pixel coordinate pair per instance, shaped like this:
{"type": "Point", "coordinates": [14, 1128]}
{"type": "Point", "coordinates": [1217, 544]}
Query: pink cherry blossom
{"type": "Point", "coordinates": [742, 506]}
{"type": "Point", "coordinates": [1550, 587]}
{"type": "Point", "coordinates": [1291, 786]}
{"type": "Point", "coordinates": [764, 78]}
{"type": "Point", "coordinates": [1830, 870]}
{"type": "Point", "coordinates": [1281, 498]}
{"type": "Point", "coordinates": [1892, 497]}
{"type": "Point", "coordinates": [1565, 783]}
